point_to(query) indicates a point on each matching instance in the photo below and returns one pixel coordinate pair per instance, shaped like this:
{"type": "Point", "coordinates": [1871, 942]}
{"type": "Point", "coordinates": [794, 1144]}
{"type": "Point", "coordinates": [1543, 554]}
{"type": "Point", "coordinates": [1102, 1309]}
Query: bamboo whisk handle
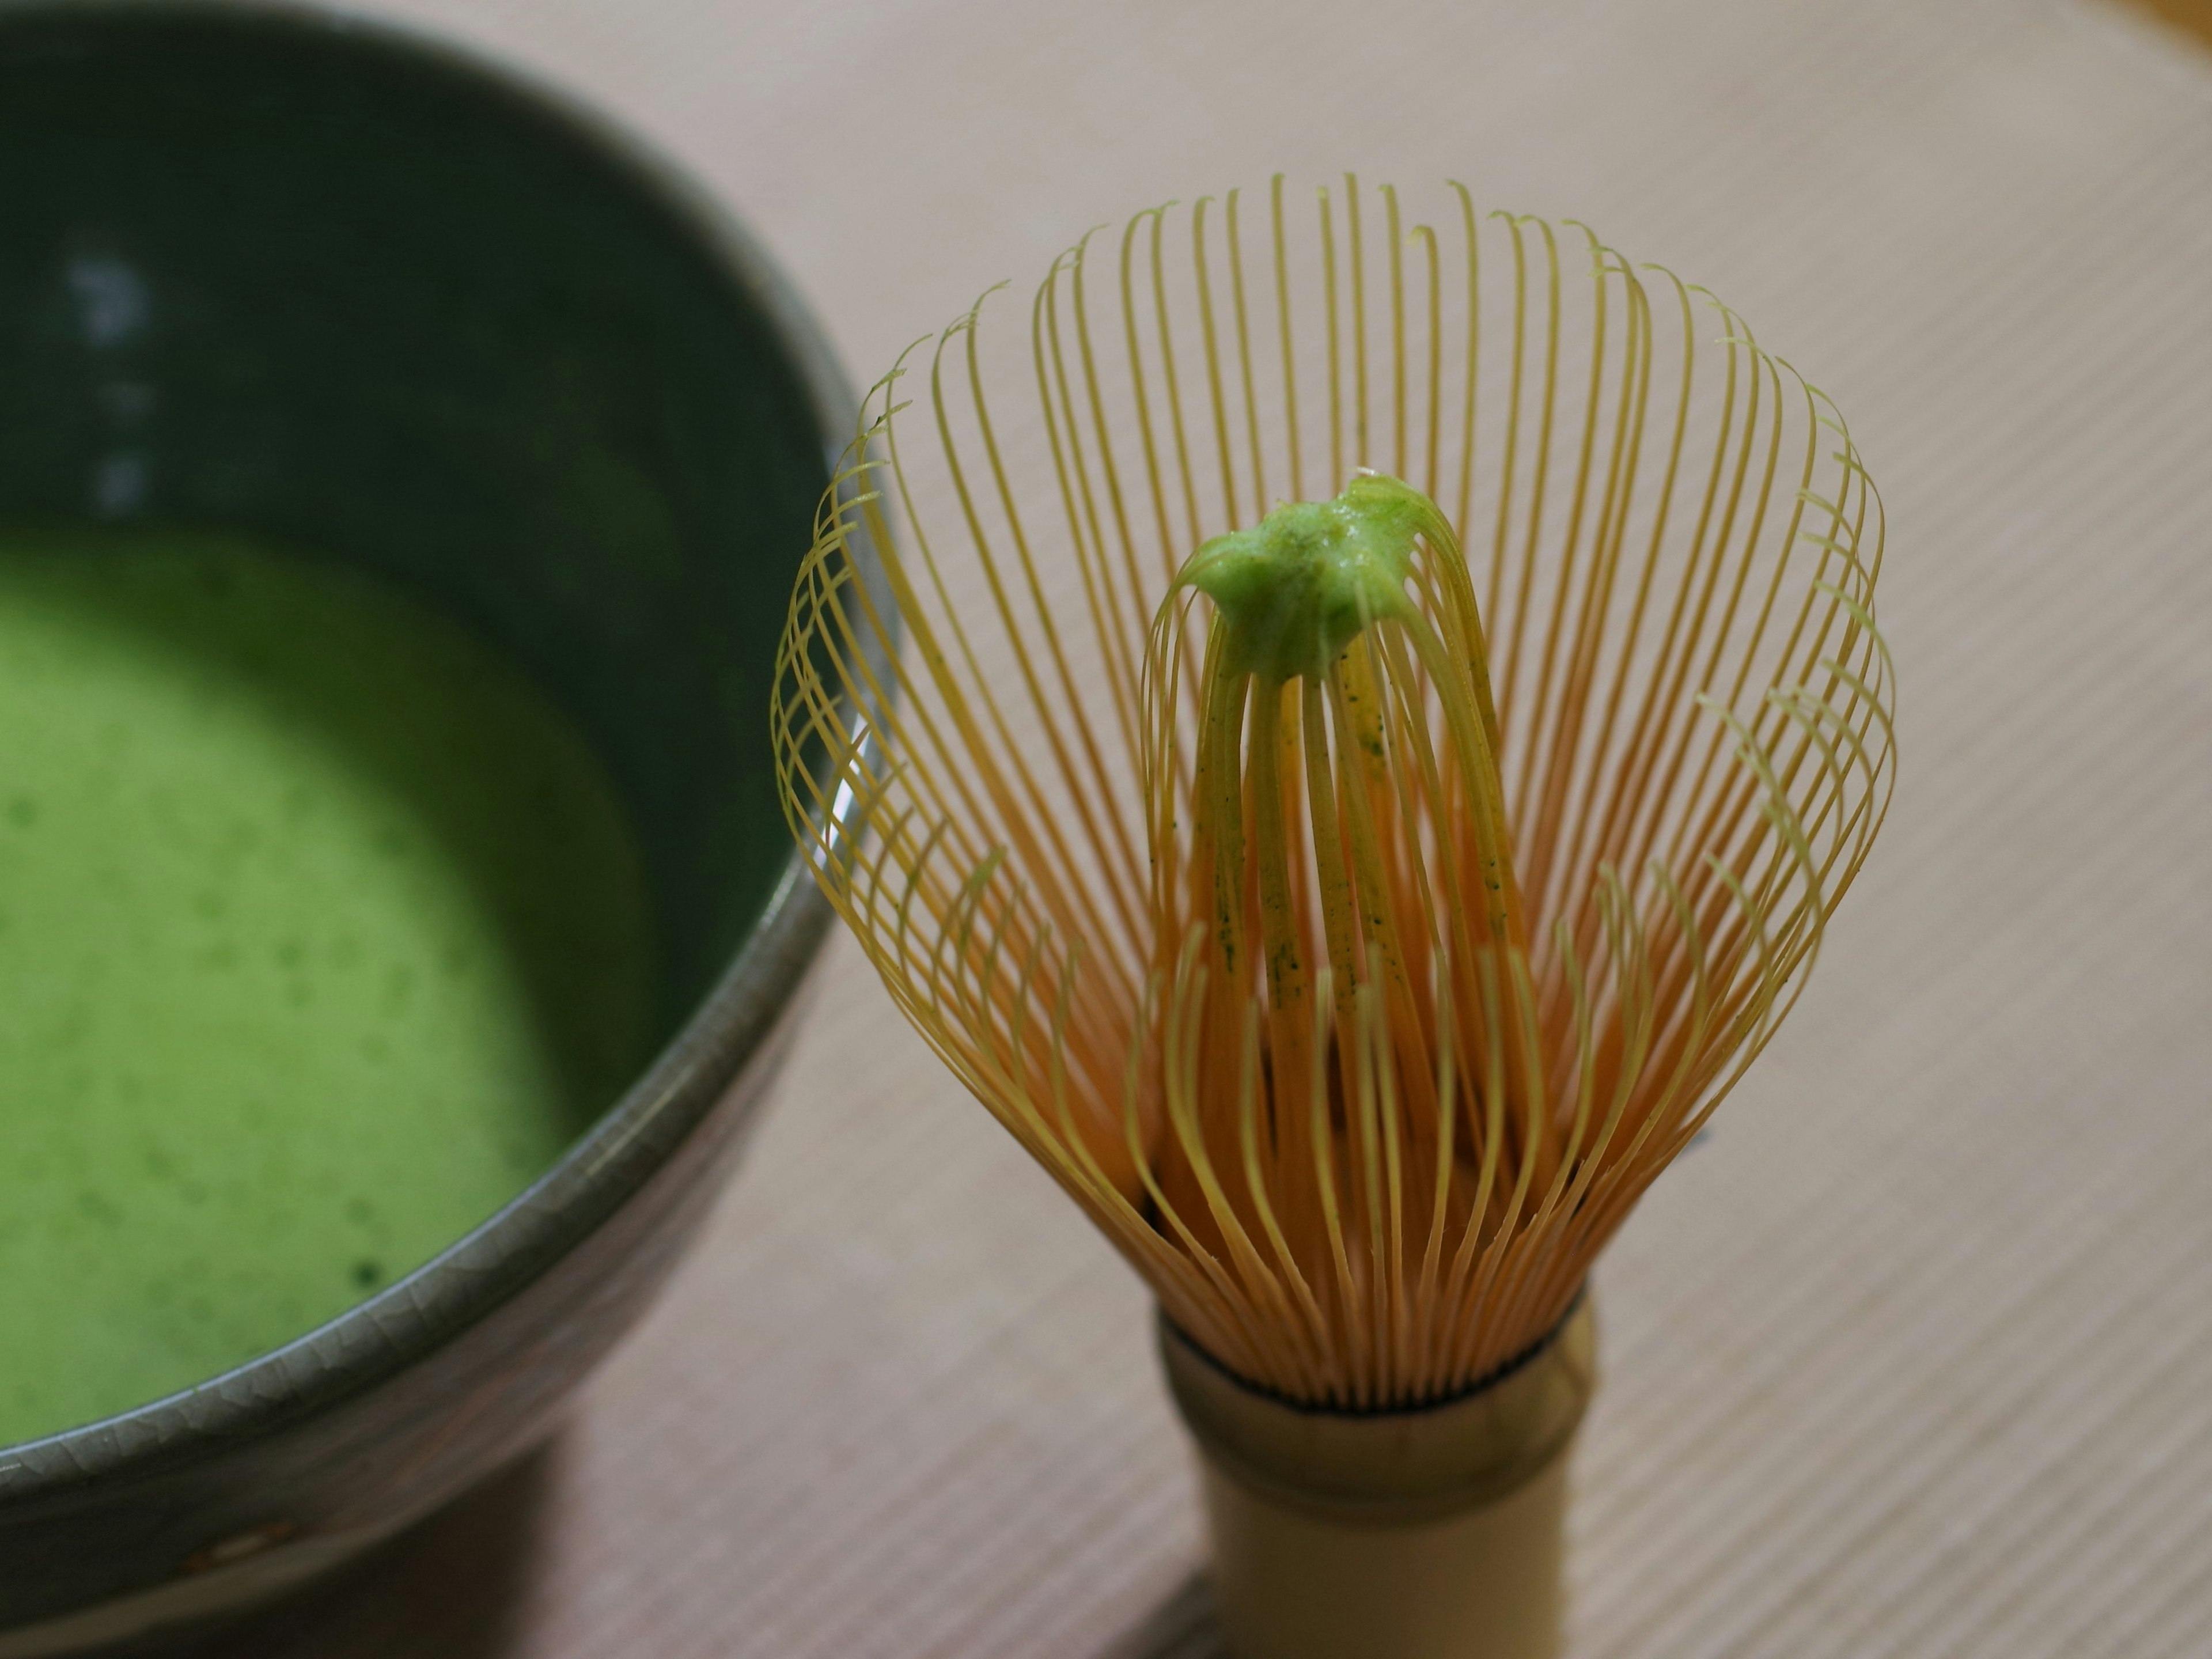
{"type": "Point", "coordinates": [1433, 1533]}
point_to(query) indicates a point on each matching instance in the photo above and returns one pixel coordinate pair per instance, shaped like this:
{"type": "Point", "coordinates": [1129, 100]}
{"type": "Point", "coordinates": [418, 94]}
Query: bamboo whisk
{"type": "Point", "coordinates": [1354, 905]}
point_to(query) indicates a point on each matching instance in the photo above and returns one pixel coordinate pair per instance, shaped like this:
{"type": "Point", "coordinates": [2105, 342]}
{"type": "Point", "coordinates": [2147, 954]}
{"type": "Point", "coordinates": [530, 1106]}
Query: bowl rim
{"type": "Point", "coordinates": [402, 1322]}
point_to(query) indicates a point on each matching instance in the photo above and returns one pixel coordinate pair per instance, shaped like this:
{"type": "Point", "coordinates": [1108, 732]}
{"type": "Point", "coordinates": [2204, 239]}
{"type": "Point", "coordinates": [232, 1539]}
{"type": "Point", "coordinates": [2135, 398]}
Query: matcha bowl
{"type": "Point", "coordinates": [277, 279]}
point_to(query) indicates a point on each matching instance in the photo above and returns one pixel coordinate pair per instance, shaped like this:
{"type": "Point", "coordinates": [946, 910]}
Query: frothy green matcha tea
{"type": "Point", "coordinates": [321, 935]}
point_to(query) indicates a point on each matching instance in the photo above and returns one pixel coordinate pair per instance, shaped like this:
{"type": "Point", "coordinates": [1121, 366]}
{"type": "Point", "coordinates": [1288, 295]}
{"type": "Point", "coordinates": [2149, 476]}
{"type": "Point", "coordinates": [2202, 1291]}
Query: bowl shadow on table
{"type": "Point", "coordinates": [460, 1586]}
{"type": "Point", "coordinates": [455, 1586]}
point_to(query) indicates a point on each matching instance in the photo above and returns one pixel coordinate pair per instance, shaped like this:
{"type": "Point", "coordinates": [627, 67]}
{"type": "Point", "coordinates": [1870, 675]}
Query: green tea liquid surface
{"type": "Point", "coordinates": [321, 935]}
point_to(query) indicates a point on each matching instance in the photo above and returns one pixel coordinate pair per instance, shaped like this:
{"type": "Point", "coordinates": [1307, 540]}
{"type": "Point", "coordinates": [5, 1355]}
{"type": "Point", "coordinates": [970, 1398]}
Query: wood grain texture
{"type": "Point", "coordinates": [1914, 1357]}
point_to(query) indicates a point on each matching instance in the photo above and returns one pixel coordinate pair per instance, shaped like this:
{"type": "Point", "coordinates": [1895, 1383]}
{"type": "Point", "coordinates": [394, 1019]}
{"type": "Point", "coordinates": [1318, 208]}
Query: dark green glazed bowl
{"type": "Point", "coordinates": [285, 273]}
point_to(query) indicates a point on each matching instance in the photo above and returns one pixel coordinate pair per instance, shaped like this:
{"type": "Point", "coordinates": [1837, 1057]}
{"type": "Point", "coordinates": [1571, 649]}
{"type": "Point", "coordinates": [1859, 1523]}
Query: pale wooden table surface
{"type": "Point", "coordinates": [1914, 1358]}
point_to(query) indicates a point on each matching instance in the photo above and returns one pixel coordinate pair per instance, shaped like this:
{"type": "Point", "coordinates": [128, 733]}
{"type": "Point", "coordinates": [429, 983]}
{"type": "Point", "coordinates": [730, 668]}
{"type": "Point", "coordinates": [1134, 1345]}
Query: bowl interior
{"type": "Point", "coordinates": [269, 275]}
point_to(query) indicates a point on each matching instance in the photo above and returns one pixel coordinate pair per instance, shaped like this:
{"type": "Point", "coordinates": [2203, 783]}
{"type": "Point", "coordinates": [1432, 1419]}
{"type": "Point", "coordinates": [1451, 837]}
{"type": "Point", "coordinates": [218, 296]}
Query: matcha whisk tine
{"type": "Point", "coordinates": [1385, 703]}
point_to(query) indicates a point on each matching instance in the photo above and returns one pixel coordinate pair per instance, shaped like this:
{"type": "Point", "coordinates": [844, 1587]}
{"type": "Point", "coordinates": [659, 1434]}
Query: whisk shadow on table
{"type": "Point", "coordinates": [1180, 1627]}
{"type": "Point", "coordinates": [455, 1586]}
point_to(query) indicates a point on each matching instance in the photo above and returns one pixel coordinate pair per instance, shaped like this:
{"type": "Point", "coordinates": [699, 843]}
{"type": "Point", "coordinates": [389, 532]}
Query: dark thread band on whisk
{"type": "Point", "coordinates": [1490, 1379]}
